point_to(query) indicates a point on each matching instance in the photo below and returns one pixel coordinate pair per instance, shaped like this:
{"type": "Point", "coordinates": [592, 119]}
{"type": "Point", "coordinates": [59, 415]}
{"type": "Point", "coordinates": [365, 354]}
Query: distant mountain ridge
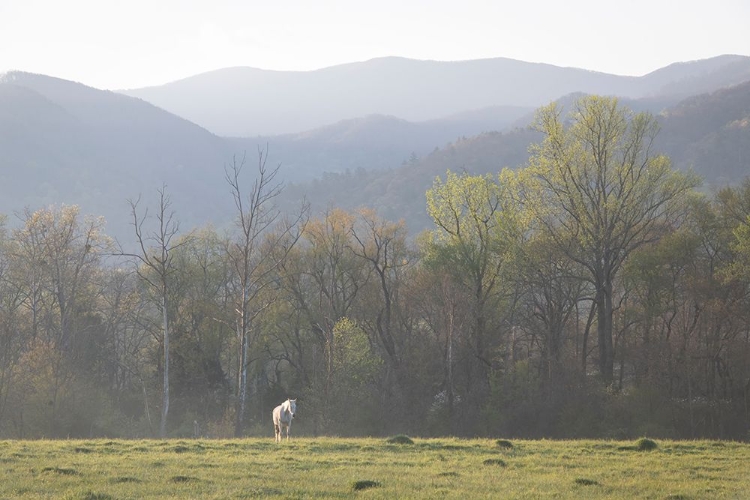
{"type": "Point", "coordinates": [375, 141]}
{"type": "Point", "coordinates": [248, 102]}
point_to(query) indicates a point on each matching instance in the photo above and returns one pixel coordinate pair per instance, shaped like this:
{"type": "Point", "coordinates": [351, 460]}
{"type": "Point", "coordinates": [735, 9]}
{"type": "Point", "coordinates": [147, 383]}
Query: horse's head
{"type": "Point", "coordinates": [292, 406]}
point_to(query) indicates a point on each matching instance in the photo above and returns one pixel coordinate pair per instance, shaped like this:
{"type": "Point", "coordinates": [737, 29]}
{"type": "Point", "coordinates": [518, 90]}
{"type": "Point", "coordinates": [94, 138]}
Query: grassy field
{"type": "Point", "coordinates": [372, 468]}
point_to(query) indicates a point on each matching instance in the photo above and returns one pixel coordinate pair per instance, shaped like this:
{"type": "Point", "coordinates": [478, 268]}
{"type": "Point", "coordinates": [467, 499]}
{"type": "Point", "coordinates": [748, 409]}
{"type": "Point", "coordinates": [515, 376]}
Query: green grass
{"type": "Point", "coordinates": [371, 468]}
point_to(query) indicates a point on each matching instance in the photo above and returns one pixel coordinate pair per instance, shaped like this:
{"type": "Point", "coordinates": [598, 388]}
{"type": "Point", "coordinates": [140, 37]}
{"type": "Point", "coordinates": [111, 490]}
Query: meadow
{"type": "Point", "coordinates": [372, 468]}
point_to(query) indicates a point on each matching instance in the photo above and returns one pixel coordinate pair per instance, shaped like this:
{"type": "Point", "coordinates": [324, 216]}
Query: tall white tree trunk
{"type": "Point", "coordinates": [165, 392]}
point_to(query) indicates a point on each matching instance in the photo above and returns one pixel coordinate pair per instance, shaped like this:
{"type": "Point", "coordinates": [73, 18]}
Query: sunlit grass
{"type": "Point", "coordinates": [371, 468]}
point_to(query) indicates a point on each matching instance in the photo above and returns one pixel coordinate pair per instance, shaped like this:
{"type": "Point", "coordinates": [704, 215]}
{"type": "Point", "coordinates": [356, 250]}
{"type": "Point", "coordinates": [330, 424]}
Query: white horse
{"type": "Point", "coordinates": [282, 417]}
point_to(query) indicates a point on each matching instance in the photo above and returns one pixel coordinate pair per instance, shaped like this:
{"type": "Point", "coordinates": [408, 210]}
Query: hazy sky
{"type": "Point", "coordinates": [126, 44]}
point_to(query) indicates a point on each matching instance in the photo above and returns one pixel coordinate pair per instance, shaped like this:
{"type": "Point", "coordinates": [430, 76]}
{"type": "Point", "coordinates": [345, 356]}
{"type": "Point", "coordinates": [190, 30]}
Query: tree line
{"type": "Point", "coordinates": [595, 292]}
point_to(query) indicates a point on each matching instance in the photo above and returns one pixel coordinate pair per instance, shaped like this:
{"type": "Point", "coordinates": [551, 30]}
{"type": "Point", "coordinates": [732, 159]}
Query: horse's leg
{"type": "Point", "coordinates": [277, 432]}
{"type": "Point", "coordinates": [288, 428]}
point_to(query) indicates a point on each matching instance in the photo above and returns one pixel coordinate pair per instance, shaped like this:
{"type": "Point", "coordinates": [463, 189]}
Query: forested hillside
{"type": "Point", "coordinates": [398, 193]}
{"type": "Point", "coordinates": [592, 291]}
{"type": "Point", "coordinates": [711, 134]}
{"type": "Point", "coordinates": [707, 134]}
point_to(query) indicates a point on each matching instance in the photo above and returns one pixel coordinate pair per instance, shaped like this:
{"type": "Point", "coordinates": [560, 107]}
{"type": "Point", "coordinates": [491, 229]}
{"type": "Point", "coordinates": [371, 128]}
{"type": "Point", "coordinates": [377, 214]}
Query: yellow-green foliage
{"type": "Point", "coordinates": [345, 468]}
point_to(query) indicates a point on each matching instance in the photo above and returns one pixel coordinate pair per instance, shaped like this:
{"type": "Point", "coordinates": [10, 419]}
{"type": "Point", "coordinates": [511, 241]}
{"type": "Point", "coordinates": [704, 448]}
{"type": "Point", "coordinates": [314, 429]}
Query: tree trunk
{"type": "Point", "coordinates": [604, 330]}
{"type": "Point", "coordinates": [585, 341]}
{"type": "Point", "coordinates": [145, 406]}
{"type": "Point", "coordinates": [241, 385]}
{"type": "Point", "coordinates": [165, 393]}
{"type": "Point", "coordinates": [450, 376]}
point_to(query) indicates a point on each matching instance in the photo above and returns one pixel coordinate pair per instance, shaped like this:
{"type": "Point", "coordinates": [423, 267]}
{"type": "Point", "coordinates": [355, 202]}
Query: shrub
{"type": "Point", "coordinates": [364, 484]}
{"type": "Point", "coordinates": [62, 471]}
{"type": "Point", "coordinates": [400, 439]}
{"type": "Point", "coordinates": [504, 443]}
{"type": "Point", "coordinates": [182, 479]}
{"type": "Point", "coordinates": [494, 461]}
{"type": "Point", "coordinates": [645, 444]}
{"type": "Point", "coordinates": [125, 479]}
{"type": "Point", "coordinates": [586, 482]}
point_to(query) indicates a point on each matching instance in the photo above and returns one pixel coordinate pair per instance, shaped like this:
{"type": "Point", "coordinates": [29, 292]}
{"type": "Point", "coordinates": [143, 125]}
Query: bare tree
{"type": "Point", "coordinates": [155, 268]}
{"type": "Point", "coordinates": [254, 265]}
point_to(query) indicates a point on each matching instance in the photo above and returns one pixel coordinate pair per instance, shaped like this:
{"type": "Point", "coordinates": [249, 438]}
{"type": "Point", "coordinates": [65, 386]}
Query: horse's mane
{"type": "Point", "coordinates": [286, 407]}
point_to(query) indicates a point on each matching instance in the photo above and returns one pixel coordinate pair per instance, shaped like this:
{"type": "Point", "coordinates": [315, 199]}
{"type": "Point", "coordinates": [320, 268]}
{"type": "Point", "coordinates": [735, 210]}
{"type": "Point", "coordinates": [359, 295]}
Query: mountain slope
{"type": "Point", "coordinates": [709, 134]}
{"type": "Point", "coordinates": [63, 142]}
{"type": "Point", "coordinates": [399, 193]}
{"type": "Point", "coordinates": [374, 141]}
{"type": "Point", "coordinates": [249, 102]}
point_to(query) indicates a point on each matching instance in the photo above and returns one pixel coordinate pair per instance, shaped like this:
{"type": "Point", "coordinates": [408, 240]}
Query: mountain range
{"type": "Point", "coordinates": [248, 102]}
{"type": "Point", "coordinates": [395, 125]}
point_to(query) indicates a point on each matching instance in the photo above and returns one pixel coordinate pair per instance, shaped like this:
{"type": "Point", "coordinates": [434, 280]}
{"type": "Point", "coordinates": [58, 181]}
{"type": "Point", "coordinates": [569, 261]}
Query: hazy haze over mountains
{"type": "Point", "coordinates": [247, 102]}
{"type": "Point", "coordinates": [401, 123]}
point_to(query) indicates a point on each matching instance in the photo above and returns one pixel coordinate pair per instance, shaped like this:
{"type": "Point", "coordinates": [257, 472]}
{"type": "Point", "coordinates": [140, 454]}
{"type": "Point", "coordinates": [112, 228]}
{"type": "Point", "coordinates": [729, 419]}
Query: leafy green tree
{"type": "Point", "coordinates": [356, 367]}
{"type": "Point", "coordinates": [478, 225]}
{"type": "Point", "coordinates": [734, 206]}
{"type": "Point", "coordinates": [600, 193]}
